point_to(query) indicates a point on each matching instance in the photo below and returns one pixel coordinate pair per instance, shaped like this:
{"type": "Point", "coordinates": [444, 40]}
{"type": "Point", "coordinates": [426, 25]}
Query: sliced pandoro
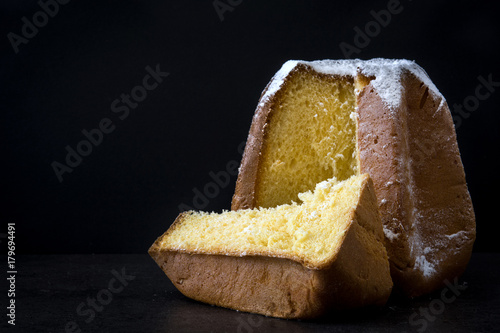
{"type": "Point", "coordinates": [338, 118]}
{"type": "Point", "coordinates": [291, 261]}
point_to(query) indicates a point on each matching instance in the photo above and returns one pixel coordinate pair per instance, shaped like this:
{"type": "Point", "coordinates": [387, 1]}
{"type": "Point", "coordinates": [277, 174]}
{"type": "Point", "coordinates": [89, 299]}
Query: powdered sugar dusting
{"type": "Point", "coordinates": [389, 234]}
{"type": "Point", "coordinates": [278, 79]}
{"type": "Point", "coordinates": [459, 234]}
{"type": "Point", "coordinates": [423, 265]}
{"type": "Point", "coordinates": [387, 73]}
{"type": "Point", "coordinates": [334, 67]}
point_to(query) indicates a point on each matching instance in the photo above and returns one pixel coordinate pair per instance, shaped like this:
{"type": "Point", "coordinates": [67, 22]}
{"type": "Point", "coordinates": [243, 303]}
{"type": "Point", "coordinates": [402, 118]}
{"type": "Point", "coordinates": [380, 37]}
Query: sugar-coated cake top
{"type": "Point", "coordinates": [387, 73]}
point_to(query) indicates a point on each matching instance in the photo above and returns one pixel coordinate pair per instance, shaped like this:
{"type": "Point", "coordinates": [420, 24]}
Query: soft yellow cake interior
{"type": "Point", "coordinates": [311, 137]}
{"type": "Point", "coordinates": [311, 233]}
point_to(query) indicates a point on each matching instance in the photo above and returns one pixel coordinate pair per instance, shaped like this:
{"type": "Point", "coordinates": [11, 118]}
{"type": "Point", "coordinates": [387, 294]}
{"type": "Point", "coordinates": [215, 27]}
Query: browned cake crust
{"type": "Point", "coordinates": [278, 287]}
{"type": "Point", "coordinates": [411, 153]}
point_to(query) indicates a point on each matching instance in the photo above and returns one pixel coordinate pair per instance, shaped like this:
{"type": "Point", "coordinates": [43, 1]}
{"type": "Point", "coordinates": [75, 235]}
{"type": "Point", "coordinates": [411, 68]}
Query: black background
{"type": "Point", "coordinates": [128, 190]}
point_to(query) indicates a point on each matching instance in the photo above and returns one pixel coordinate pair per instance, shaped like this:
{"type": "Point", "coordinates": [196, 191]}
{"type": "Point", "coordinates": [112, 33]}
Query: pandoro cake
{"type": "Point", "coordinates": [339, 118]}
{"type": "Point", "coordinates": [290, 261]}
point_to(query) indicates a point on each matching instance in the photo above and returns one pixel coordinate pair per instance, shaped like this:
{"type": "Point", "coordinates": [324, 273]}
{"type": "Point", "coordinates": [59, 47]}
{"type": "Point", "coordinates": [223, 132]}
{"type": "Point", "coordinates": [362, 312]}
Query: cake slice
{"type": "Point", "coordinates": [322, 119]}
{"type": "Point", "coordinates": [291, 261]}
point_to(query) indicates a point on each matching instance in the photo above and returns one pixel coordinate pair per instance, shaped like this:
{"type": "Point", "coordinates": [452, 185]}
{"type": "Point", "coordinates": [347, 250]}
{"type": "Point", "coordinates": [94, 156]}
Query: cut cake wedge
{"type": "Point", "coordinates": [291, 261]}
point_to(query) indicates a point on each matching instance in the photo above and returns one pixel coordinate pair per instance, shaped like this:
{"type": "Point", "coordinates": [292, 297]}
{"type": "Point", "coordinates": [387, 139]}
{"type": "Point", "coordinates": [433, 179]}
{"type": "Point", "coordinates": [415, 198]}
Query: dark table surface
{"type": "Point", "coordinates": [55, 292]}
